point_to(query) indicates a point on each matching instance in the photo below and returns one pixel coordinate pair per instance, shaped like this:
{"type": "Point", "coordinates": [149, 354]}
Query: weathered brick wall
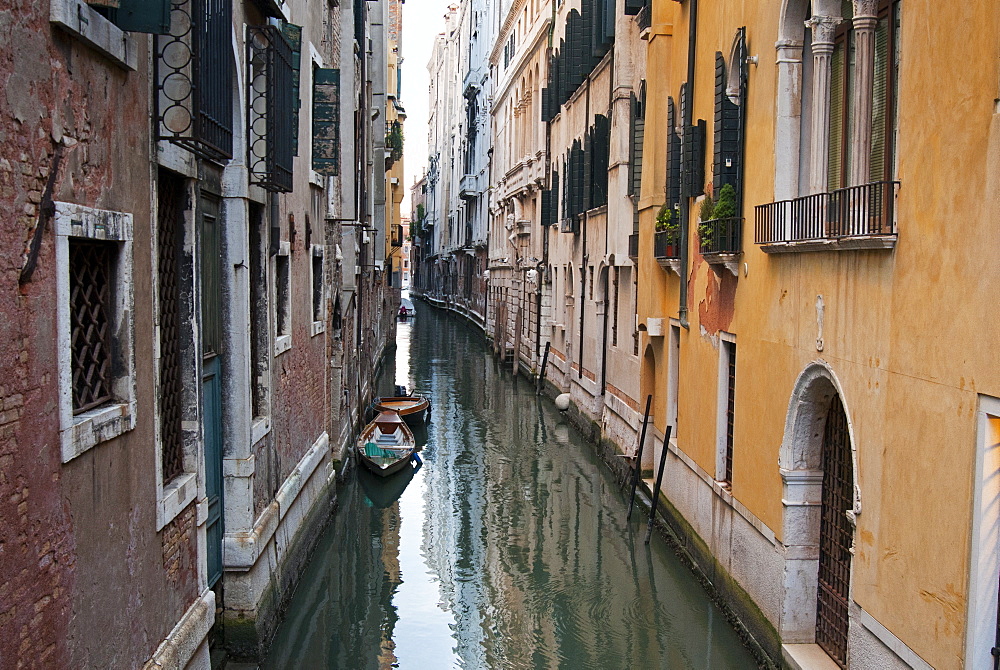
{"type": "Point", "coordinates": [180, 551]}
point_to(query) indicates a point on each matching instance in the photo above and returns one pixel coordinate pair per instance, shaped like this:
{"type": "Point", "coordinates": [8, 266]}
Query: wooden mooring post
{"type": "Point", "coordinates": [541, 374]}
{"type": "Point", "coordinates": [659, 480]}
{"type": "Point", "coordinates": [638, 454]}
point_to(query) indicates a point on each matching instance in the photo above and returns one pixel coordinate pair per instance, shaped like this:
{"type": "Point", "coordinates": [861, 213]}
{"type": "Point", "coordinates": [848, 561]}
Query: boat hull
{"type": "Point", "coordinates": [387, 471]}
{"type": "Point", "coordinates": [412, 409]}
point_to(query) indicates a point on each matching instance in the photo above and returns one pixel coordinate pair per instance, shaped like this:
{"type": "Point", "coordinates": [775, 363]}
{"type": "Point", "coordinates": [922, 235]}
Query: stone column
{"type": "Point", "coordinates": [788, 135]}
{"type": "Point", "coordinates": [865, 19]}
{"type": "Point", "coordinates": [823, 28]}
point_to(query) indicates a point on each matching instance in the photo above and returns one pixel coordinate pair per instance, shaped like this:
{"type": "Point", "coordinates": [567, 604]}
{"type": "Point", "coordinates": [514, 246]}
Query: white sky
{"type": "Point", "coordinates": [422, 21]}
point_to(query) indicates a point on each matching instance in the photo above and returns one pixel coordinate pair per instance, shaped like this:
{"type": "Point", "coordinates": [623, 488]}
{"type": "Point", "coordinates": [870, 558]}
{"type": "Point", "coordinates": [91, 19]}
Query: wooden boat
{"type": "Point", "coordinates": [386, 445]}
{"type": "Point", "coordinates": [413, 408]}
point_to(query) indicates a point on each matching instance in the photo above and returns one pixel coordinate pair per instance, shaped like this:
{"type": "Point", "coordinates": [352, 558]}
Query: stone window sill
{"type": "Point", "coordinates": [282, 343]}
{"type": "Point", "coordinates": [177, 495]}
{"type": "Point", "coordinates": [317, 328]}
{"type": "Point", "coordinates": [94, 427]}
{"type": "Point", "coordinates": [82, 22]}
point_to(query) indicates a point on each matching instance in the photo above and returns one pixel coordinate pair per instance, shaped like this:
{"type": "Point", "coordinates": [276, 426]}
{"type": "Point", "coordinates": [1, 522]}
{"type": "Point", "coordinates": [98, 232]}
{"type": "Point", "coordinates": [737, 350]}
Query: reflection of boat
{"type": "Point", "coordinates": [382, 492]}
{"type": "Point", "coordinates": [386, 444]}
{"type": "Point", "coordinates": [413, 408]}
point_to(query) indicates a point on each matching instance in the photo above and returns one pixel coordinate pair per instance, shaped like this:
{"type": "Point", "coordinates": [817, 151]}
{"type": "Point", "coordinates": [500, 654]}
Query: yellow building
{"type": "Point", "coordinates": [395, 115]}
{"type": "Point", "coordinates": [840, 476]}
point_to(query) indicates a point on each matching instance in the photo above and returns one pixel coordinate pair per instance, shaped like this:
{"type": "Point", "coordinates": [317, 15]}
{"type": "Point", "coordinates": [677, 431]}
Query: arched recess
{"type": "Point", "coordinates": [817, 391]}
{"type": "Point", "coordinates": [601, 305]}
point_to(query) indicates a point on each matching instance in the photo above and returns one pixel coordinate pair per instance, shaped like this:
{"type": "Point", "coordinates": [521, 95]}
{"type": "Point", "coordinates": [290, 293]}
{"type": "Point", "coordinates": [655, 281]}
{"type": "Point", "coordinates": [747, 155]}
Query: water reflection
{"type": "Point", "coordinates": [508, 549]}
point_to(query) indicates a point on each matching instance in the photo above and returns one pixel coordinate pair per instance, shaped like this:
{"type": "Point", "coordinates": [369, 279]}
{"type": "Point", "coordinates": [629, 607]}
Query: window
{"type": "Point", "coordinates": [983, 634]}
{"type": "Point", "coordinates": [270, 108]}
{"type": "Point", "coordinates": [259, 331]}
{"type": "Point", "coordinates": [282, 299]}
{"type": "Point", "coordinates": [673, 374]}
{"type": "Point", "coordinates": [726, 409]}
{"type": "Point", "coordinates": [169, 201]}
{"type": "Point", "coordinates": [318, 291]}
{"type": "Point", "coordinates": [95, 326]}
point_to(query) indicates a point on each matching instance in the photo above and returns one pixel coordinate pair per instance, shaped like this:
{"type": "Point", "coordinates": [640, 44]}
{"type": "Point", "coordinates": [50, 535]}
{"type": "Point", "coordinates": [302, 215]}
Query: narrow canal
{"type": "Point", "coordinates": [507, 549]}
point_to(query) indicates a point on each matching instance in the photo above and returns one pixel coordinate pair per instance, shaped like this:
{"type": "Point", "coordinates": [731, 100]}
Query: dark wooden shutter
{"type": "Point", "coordinates": [638, 137]}
{"type": "Point", "coordinates": [633, 7]}
{"type": "Point", "coordinates": [880, 101]}
{"type": "Point", "coordinates": [673, 157]}
{"type": "Point", "coordinates": [602, 151]}
{"type": "Point", "coordinates": [838, 114]}
{"type": "Point", "coordinates": [556, 197]}
{"type": "Point", "coordinates": [588, 170]}
{"type": "Point", "coordinates": [326, 122]}
{"type": "Point", "coordinates": [143, 16]}
{"type": "Point", "coordinates": [726, 162]}
{"type": "Point", "coordinates": [293, 34]}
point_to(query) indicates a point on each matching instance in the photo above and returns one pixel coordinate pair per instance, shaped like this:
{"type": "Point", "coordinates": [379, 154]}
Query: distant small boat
{"type": "Point", "coordinates": [386, 445]}
{"type": "Point", "coordinates": [406, 308]}
{"type": "Point", "coordinates": [413, 408]}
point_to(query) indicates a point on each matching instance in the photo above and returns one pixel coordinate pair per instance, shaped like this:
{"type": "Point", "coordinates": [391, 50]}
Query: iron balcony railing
{"type": "Point", "coordinates": [721, 236]}
{"type": "Point", "coordinates": [194, 78]}
{"type": "Point", "coordinates": [396, 239]}
{"type": "Point", "coordinates": [868, 210]}
{"type": "Point", "coordinates": [666, 244]}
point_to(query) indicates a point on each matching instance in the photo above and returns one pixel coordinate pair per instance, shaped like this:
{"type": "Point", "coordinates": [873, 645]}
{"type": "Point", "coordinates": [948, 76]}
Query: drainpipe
{"type": "Point", "coordinates": [682, 310]}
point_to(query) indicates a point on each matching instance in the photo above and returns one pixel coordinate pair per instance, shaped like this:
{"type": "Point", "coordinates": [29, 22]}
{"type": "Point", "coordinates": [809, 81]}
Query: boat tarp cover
{"type": "Point", "coordinates": [372, 450]}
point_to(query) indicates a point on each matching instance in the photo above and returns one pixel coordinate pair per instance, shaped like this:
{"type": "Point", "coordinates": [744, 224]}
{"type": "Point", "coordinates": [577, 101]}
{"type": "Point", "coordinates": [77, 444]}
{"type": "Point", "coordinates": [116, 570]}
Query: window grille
{"type": "Point", "coordinates": [836, 536]}
{"type": "Point", "coordinates": [270, 109]}
{"type": "Point", "coordinates": [91, 276]}
{"type": "Point", "coordinates": [317, 285]}
{"type": "Point", "coordinates": [730, 408]}
{"type": "Point", "coordinates": [282, 295]}
{"type": "Point", "coordinates": [194, 78]}
{"type": "Point", "coordinates": [170, 192]}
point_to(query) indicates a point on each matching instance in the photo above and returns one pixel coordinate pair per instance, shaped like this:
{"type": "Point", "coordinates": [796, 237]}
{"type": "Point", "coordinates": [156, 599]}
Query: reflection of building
{"type": "Point", "coordinates": [848, 452]}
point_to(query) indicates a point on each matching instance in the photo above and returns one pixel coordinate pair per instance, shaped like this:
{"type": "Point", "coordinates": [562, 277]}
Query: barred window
{"type": "Point", "coordinates": [91, 273]}
{"type": "Point", "coordinates": [170, 194]}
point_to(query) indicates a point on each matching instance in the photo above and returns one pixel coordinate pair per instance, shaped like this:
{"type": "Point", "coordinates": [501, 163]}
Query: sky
{"type": "Point", "coordinates": [422, 21]}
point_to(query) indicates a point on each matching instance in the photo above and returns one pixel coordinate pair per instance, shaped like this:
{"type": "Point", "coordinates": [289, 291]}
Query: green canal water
{"type": "Point", "coordinates": [507, 549]}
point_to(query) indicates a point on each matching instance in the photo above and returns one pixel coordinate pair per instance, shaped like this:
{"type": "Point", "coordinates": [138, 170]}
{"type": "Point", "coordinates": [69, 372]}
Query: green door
{"type": "Point", "coordinates": [211, 260]}
{"type": "Point", "coordinates": [212, 412]}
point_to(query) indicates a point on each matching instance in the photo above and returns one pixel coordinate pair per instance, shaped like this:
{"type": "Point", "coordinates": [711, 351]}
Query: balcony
{"type": "Point", "coordinates": [468, 187]}
{"type": "Point", "coordinates": [396, 236]}
{"type": "Point", "coordinates": [633, 248]}
{"type": "Point", "coordinates": [857, 217]}
{"type": "Point", "coordinates": [721, 241]}
{"type": "Point", "coordinates": [667, 250]}
{"type": "Point", "coordinates": [644, 19]}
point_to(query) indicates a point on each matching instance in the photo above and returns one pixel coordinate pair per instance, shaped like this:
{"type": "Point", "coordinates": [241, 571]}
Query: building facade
{"type": "Point", "coordinates": [797, 208]}
{"type": "Point", "coordinates": [194, 292]}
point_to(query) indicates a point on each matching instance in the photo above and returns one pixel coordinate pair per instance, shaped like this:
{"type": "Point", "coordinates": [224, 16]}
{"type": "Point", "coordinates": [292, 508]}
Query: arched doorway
{"type": "Point", "coordinates": [820, 502]}
{"type": "Point", "coordinates": [836, 535]}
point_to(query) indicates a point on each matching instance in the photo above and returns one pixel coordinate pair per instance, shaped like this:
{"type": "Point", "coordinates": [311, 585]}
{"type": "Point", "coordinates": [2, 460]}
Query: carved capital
{"type": "Point", "coordinates": [824, 28]}
{"type": "Point", "coordinates": [865, 9]}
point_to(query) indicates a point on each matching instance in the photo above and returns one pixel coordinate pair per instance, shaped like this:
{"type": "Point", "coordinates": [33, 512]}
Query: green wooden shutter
{"type": "Point", "coordinates": [838, 84]}
{"type": "Point", "coordinates": [880, 100]}
{"type": "Point", "coordinates": [673, 157]}
{"type": "Point", "coordinates": [326, 122]}
{"type": "Point", "coordinates": [293, 34]}
{"type": "Point", "coordinates": [143, 16]}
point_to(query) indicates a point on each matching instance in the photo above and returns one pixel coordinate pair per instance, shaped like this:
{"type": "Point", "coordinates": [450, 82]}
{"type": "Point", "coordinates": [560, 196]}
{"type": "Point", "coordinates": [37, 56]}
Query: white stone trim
{"type": "Point", "coordinates": [885, 636]}
{"type": "Point", "coordinates": [241, 550]}
{"type": "Point", "coordinates": [984, 555]}
{"type": "Point", "coordinates": [183, 642]}
{"type": "Point", "coordinates": [175, 496]}
{"type": "Point", "coordinates": [78, 434]}
{"type": "Point", "coordinates": [81, 21]}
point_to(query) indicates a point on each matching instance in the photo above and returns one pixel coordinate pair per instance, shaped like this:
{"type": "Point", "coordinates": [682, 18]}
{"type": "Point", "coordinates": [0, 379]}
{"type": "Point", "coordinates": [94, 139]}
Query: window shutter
{"type": "Point", "coordinates": [673, 157]}
{"type": "Point", "coordinates": [588, 170]}
{"type": "Point", "coordinates": [638, 137]}
{"type": "Point", "coordinates": [838, 85]}
{"type": "Point", "coordinates": [143, 16]}
{"type": "Point", "coordinates": [293, 34]}
{"type": "Point", "coordinates": [546, 206]}
{"type": "Point", "coordinates": [633, 103]}
{"type": "Point", "coordinates": [602, 151]}
{"type": "Point", "coordinates": [556, 197]}
{"type": "Point", "coordinates": [633, 7]}
{"type": "Point", "coordinates": [326, 122]}
{"type": "Point", "coordinates": [727, 132]}
{"type": "Point", "coordinates": [880, 90]}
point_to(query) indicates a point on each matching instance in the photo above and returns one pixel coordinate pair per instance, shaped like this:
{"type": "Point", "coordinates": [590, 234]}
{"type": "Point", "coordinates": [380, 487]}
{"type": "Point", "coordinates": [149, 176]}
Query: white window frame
{"type": "Point", "coordinates": [984, 563]}
{"type": "Point", "coordinates": [318, 325]}
{"type": "Point", "coordinates": [282, 341]}
{"type": "Point", "coordinates": [722, 406]}
{"type": "Point", "coordinates": [673, 375]}
{"type": "Point", "coordinates": [82, 432]}
{"type": "Point", "coordinates": [81, 21]}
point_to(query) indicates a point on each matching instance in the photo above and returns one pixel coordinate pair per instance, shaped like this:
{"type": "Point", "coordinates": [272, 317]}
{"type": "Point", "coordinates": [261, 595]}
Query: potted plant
{"type": "Point", "coordinates": [667, 222]}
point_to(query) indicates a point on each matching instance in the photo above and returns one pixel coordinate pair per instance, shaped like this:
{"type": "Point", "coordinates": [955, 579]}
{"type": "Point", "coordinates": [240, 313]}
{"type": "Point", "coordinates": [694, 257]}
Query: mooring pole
{"type": "Point", "coordinates": [638, 457]}
{"type": "Point", "coordinates": [541, 375]}
{"type": "Point", "coordinates": [659, 480]}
